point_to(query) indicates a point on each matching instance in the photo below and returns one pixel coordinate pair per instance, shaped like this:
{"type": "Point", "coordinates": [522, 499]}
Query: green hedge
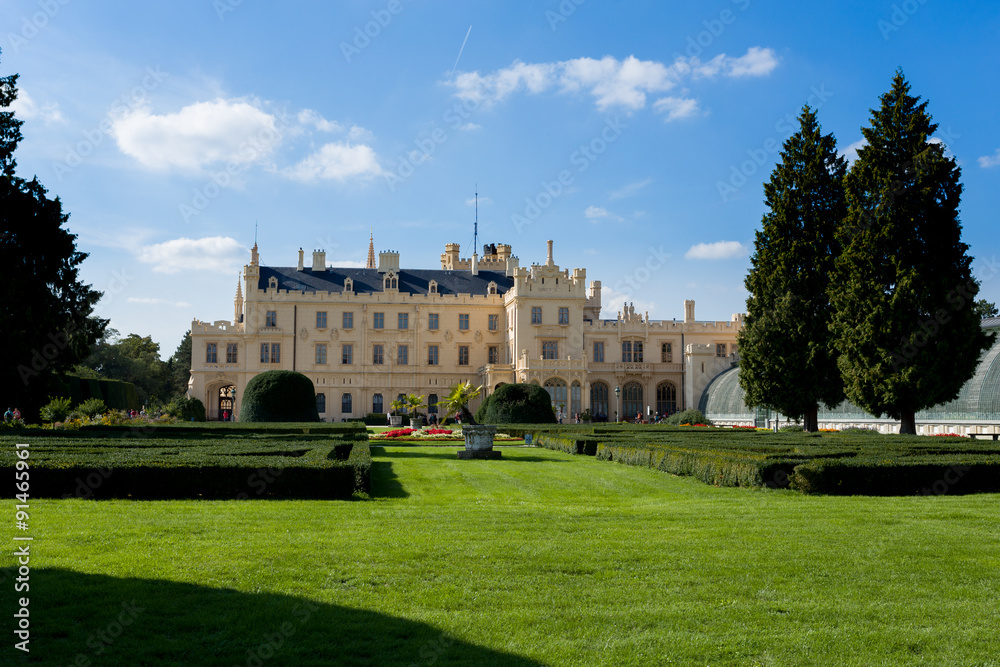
{"type": "Point", "coordinates": [116, 394]}
{"type": "Point", "coordinates": [238, 467]}
{"type": "Point", "coordinates": [861, 476]}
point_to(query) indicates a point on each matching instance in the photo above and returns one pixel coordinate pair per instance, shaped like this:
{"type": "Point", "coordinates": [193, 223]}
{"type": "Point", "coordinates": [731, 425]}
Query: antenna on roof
{"type": "Point", "coordinates": [255, 232]}
{"type": "Point", "coordinates": [475, 227]}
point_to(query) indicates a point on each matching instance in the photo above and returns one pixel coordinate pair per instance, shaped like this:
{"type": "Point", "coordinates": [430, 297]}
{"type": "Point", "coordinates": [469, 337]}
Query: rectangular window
{"type": "Point", "coordinates": [432, 355]}
{"type": "Point", "coordinates": [494, 323]}
{"type": "Point", "coordinates": [320, 353]}
{"type": "Point", "coordinates": [432, 408]}
{"type": "Point", "coordinates": [720, 349]}
{"type": "Point", "coordinates": [377, 357]}
{"type": "Point", "coordinates": [321, 319]}
{"type": "Point", "coordinates": [626, 351]}
{"type": "Point", "coordinates": [348, 320]}
{"type": "Point", "coordinates": [494, 354]}
{"type": "Point", "coordinates": [346, 404]}
{"type": "Point", "coordinates": [536, 314]}
{"type": "Point", "coordinates": [463, 355]}
{"type": "Point", "coordinates": [563, 315]}
{"type": "Point", "coordinates": [637, 350]}
{"type": "Point", "coordinates": [599, 351]}
{"type": "Point", "coordinates": [211, 353]}
{"type": "Point", "coordinates": [231, 353]}
{"type": "Point", "coordinates": [347, 353]}
{"type": "Point", "coordinates": [550, 350]}
{"type": "Point", "coordinates": [275, 353]}
{"type": "Point", "coordinates": [463, 322]}
{"type": "Point", "coordinates": [432, 321]}
{"type": "Point", "coordinates": [265, 353]}
{"type": "Point", "coordinates": [321, 403]}
{"type": "Point", "coordinates": [378, 320]}
{"type": "Point", "coordinates": [404, 321]}
{"type": "Point", "coordinates": [666, 353]}
{"type": "Point", "coordinates": [403, 355]}
{"type": "Point", "coordinates": [271, 318]}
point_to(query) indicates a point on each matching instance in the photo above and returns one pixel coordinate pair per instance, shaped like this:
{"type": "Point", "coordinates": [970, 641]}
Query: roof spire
{"type": "Point", "coordinates": [371, 250]}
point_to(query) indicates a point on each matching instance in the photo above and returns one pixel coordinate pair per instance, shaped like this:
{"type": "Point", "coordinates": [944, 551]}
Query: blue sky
{"type": "Point", "coordinates": [637, 135]}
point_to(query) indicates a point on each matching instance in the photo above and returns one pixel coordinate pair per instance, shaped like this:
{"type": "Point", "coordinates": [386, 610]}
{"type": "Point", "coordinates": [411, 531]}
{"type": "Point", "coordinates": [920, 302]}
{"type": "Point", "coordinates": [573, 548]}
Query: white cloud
{"type": "Point", "coordinates": [988, 161]}
{"type": "Point", "coordinates": [676, 107]}
{"type": "Point", "coordinates": [630, 189]}
{"type": "Point", "coordinates": [313, 118]}
{"type": "Point", "coordinates": [337, 161]}
{"type": "Point", "coordinates": [155, 302]}
{"type": "Point", "coordinates": [25, 108]}
{"type": "Point", "coordinates": [717, 250]}
{"type": "Point", "coordinates": [596, 213]}
{"type": "Point", "coordinates": [469, 127]}
{"type": "Point", "coordinates": [483, 201]}
{"type": "Point", "coordinates": [200, 134]}
{"type": "Point", "coordinates": [612, 82]}
{"type": "Point", "coordinates": [217, 254]}
{"type": "Point", "coordinates": [851, 152]}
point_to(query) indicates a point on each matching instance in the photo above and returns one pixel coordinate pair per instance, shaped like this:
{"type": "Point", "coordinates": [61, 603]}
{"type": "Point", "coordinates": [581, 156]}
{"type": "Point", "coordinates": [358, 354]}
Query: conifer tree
{"type": "Point", "coordinates": [787, 360]}
{"type": "Point", "coordinates": [905, 323]}
{"type": "Point", "coordinates": [44, 307]}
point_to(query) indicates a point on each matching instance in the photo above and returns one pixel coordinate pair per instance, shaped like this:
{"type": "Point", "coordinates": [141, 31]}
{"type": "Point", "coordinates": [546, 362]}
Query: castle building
{"type": "Point", "coordinates": [366, 337]}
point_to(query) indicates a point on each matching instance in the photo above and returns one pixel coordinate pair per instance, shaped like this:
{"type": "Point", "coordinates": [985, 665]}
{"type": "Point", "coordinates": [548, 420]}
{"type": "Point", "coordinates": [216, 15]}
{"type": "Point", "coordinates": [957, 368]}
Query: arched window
{"type": "Point", "coordinates": [390, 281]}
{"type": "Point", "coordinates": [346, 404]}
{"type": "Point", "coordinates": [574, 398]}
{"type": "Point", "coordinates": [432, 404]}
{"type": "Point", "coordinates": [492, 289]}
{"type": "Point", "coordinates": [377, 403]}
{"type": "Point", "coordinates": [348, 285]}
{"type": "Point", "coordinates": [557, 392]}
{"type": "Point", "coordinates": [432, 287]}
{"type": "Point", "coordinates": [272, 283]}
{"type": "Point", "coordinates": [666, 398]}
{"type": "Point", "coordinates": [599, 400]}
{"type": "Point", "coordinates": [631, 400]}
{"type": "Point", "coordinates": [321, 403]}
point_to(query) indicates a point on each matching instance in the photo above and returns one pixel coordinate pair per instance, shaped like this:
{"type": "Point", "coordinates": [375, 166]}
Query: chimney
{"type": "Point", "coordinates": [548, 261]}
{"type": "Point", "coordinates": [688, 310]}
{"type": "Point", "coordinates": [319, 261]}
{"type": "Point", "coordinates": [512, 263]}
{"type": "Point", "coordinates": [475, 264]}
{"type": "Point", "coordinates": [450, 256]}
{"type": "Point", "coordinates": [301, 260]}
{"type": "Point", "coordinates": [388, 260]}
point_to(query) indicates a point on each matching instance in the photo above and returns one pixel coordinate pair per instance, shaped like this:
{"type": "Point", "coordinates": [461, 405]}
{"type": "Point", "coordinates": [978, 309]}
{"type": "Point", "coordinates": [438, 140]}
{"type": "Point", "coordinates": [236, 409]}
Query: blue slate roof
{"type": "Point", "coordinates": [367, 281]}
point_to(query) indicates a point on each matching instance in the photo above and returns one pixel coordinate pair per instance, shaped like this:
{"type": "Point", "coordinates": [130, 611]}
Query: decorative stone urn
{"type": "Point", "coordinates": [395, 420]}
{"type": "Point", "coordinates": [479, 442]}
{"type": "Point", "coordinates": [416, 422]}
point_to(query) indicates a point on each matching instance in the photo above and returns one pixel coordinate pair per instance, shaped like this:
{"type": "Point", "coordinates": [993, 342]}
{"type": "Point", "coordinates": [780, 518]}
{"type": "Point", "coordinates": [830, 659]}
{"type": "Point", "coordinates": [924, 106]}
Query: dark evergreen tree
{"type": "Point", "coordinates": [985, 309]}
{"type": "Point", "coordinates": [44, 308]}
{"type": "Point", "coordinates": [180, 366]}
{"type": "Point", "coordinates": [905, 324]}
{"type": "Point", "coordinates": [787, 361]}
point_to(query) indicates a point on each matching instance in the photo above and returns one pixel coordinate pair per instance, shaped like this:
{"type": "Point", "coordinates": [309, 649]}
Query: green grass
{"type": "Point", "coordinates": [539, 558]}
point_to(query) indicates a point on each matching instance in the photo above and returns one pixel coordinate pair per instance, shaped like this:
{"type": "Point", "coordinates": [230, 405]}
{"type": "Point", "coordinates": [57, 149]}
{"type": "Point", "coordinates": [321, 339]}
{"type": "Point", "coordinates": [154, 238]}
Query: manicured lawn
{"type": "Point", "coordinates": [540, 558]}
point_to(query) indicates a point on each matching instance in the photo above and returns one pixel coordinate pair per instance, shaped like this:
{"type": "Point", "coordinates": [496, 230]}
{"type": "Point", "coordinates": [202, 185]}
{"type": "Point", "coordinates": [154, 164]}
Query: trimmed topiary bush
{"type": "Point", "coordinates": [481, 412]}
{"type": "Point", "coordinates": [187, 409]}
{"type": "Point", "coordinates": [279, 396]}
{"type": "Point", "coordinates": [519, 404]}
{"type": "Point", "coordinates": [690, 416]}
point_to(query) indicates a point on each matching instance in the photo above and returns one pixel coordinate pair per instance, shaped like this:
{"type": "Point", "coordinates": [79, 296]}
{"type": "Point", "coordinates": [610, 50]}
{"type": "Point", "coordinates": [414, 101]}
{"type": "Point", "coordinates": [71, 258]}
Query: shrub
{"type": "Point", "coordinates": [792, 428]}
{"type": "Point", "coordinates": [376, 419]}
{"type": "Point", "coordinates": [481, 412]}
{"type": "Point", "coordinates": [187, 409]}
{"type": "Point", "coordinates": [56, 410]}
{"type": "Point", "coordinates": [690, 416]}
{"type": "Point", "coordinates": [279, 396]}
{"type": "Point", "coordinates": [519, 404]}
{"type": "Point", "coordinates": [91, 407]}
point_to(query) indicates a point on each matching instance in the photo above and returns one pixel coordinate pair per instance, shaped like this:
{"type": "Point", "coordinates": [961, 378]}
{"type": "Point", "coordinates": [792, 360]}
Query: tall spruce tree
{"type": "Point", "coordinates": [905, 323]}
{"type": "Point", "coordinates": [44, 308]}
{"type": "Point", "coordinates": [787, 360]}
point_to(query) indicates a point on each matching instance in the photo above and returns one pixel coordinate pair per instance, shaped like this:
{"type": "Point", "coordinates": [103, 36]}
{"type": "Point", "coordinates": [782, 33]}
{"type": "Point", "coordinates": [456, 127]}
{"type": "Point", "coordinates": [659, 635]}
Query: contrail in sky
{"type": "Point", "coordinates": [460, 51]}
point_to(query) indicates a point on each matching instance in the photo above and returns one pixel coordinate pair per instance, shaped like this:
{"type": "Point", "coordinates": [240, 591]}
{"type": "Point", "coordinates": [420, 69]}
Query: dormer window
{"type": "Point", "coordinates": [432, 287]}
{"type": "Point", "coordinates": [390, 281]}
{"type": "Point", "coordinates": [348, 285]}
{"type": "Point", "coordinates": [492, 289]}
{"type": "Point", "coordinates": [272, 283]}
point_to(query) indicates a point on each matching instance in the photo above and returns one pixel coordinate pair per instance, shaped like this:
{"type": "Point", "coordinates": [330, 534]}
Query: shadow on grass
{"type": "Point", "coordinates": [385, 482]}
{"type": "Point", "coordinates": [101, 620]}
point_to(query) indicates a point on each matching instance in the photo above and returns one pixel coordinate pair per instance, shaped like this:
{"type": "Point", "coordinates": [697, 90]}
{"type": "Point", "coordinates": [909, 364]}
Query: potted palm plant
{"type": "Point", "coordinates": [478, 437]}
{"type": "Point", "coordinates": [395, 418]}
{"type": "Point", "coordinates": [413, 404]}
